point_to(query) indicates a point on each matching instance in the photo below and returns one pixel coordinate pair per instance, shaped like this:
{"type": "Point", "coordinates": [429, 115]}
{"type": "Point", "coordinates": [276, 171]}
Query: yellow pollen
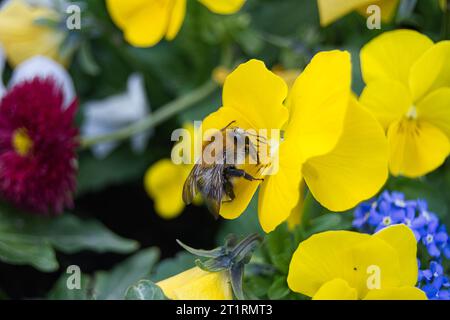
{"type": "Point", "coordinates": [21, 142]}
{"type": "Point", "coordinates": [412, 113]}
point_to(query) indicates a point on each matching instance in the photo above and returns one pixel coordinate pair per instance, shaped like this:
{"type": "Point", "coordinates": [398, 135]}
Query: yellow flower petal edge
{"type": "Point", "coordinates": [332, 10]}
{"type": "Point", "coordinates": [402, 239]}
{"type": "Point", "coordinates": [431, 71]}
{"type": "Point", "coordinates": [416, 148]}
{"type": "Point", "coordinates": [257, 94]}
{"type": "Point", "coordinates": [176, 19]}
{"type": "Point", "coordinates": [356, 169]}
{"type": "Point", "coordinates": [435, 109]}
{"type": "Point", "coordinates": [318, 102]}
{"type": "Point", "coordinates": [147, 22]}
{"type": "Point", "coordinates": [278, 196]}
{"type": "Point", "coordinates": [22, 39]}
{"type": "Point", "coordinates": [164, 182]}
{"type": "Point", "coordinates": [392, 55]}
{"type": "Point", "coordinates": [196, 284]}
{"type": "Point", "coordinates": [403, 293]}
{"type": "Point", "coordinates": [334, 261]}
{"type": "Point", "coordinates": [336, 289]}
{"type": "Point", "coordinates": [223, 6]}
{"type": "Point", "coordinates": [388, 9]}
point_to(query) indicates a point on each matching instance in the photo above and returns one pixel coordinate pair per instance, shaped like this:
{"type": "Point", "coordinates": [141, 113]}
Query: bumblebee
{"type": "Point", "coordinates": [214, 180]}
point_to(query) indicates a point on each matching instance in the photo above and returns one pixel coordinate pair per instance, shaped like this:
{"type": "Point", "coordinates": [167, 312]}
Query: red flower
{"type": "Point", "coordinates": [38, 147]}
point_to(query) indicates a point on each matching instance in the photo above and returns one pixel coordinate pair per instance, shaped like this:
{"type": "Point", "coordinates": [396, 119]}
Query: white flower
{"type": "Point", "coordinates": [115, 112]}
{"type": "Point", "coordinates": [41, 67]}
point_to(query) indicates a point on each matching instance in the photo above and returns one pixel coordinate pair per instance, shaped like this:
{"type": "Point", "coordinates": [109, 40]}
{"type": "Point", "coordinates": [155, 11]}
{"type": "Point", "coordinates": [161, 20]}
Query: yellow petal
{"type": "Point", "coordinates": [164, 183]}
{"type": "Point", "coordinates": [388, 100]}
{"type": "Point", "coordinates": [416, 148]}
{"type": "Point", "coordinates": [402, 239]}
{"type": "Point", "coordinates": [320, 259]}
{"type": "Point", "coordinates": [403, 293]}
{"type": "Point", "coordinates": [295, 218]}
{"type": "Point", "coordinates": [223, 6]}
{"type": "Point", "coordinates": [278, 196]}
{"type": "Point", "coordinates": [346, 255]}
{"type": "Point", "coordinates": [143, 22]}
{"type": "Point", "coordinates": [431, 71]}
{"type": "Point", "coordinates": [336, 289]}
{"type": "Point", "coordinates": [332, 10]}
{"type": "Point", "coordinates": [392, 55]}
{"type": "Point", "coordinates": [22, 38]}
{"type": "Point", "coordinates": [435, 109]}
{"type": "Point", "coordinates": [196, 284]}
{"type": "Point", "coordinates": [257, 94]}
{"type": "Point", "coordinates": [176, 19]}
{"type": "Point", "coordinates": [357, 167]}
{"type": "Point", "coordinates": [318, 102]}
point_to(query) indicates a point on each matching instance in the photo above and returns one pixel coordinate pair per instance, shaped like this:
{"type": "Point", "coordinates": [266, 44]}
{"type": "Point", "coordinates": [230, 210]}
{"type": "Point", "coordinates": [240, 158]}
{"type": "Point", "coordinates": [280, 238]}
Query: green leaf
{"type": "Point", "coordinates": [60, 290]}
{"type": "Point", "coordinates": [279, 289]}
{"type": "Point", "coordinates": [257, 287]}
{"type": "Point", "coordinates": [32, 240]}
{"type": "Point", "coordinates": [112, 285]}
{"type": "Point", "coordinates": [170, 267]}
{"type": "Point", "coordinates": [280, 246]}
{"type": "Point", "coordinates": [70, 234]}
{"type": "Point", "coordinates": [330, 221]}
{"type": "Point", "coordinates": [22, 250]}
{"type": "Point", "coordinates": [87, 61]}
{"type": "Point", "coordinates": [145, 290]}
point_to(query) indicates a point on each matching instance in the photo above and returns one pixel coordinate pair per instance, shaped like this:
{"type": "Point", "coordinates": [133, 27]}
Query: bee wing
{"type": "Point", "coordinates": [213, 189]}
{"type": "Point", "coordinates": [189, 188]}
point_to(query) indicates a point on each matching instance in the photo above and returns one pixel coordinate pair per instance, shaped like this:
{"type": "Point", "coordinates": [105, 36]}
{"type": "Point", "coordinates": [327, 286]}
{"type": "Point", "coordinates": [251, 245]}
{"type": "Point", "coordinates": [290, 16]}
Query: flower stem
{"type": "Point", "coordinates": [156, 118]}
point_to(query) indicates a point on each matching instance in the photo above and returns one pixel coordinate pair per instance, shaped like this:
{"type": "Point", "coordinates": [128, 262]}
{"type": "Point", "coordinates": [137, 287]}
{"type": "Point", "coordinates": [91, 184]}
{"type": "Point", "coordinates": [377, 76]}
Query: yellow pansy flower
{"type": "Point", "coordinates": [22, 38]}
{"type": "Point", "coordinates": [408, 91]}
{"type": "Point", "coordinates": [330, 142]}
{"type": "Point", "coordinates": [197, 284]}
{"type": "Point", "coordinates": [164, 182]}
{"type": "Point", "coordinates": [332, 10]}
{"type": "Point", "coordinates": [345, 265]}
{"type": "Point", "coordinates": [147, 22]}
{"type": "Point", "coordinates": [220, 74]}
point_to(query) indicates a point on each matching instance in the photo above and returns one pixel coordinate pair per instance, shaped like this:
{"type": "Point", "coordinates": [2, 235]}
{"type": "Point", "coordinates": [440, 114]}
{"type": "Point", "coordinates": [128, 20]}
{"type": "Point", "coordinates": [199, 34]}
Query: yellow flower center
{"type": "Point", "coordinates": [21, 142]}
{"type": "Point", "coordinates": [412, 113]}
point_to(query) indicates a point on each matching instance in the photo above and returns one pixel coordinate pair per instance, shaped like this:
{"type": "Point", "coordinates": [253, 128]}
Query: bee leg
{"type": "Point", "coordinates": [252, 151]}
{"type": "Point", "coordinates": [228, 125]}
{"type": "Point", "coordinates": [228, 186]}
{"type": "Point", "coordinates": [238, 173]}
